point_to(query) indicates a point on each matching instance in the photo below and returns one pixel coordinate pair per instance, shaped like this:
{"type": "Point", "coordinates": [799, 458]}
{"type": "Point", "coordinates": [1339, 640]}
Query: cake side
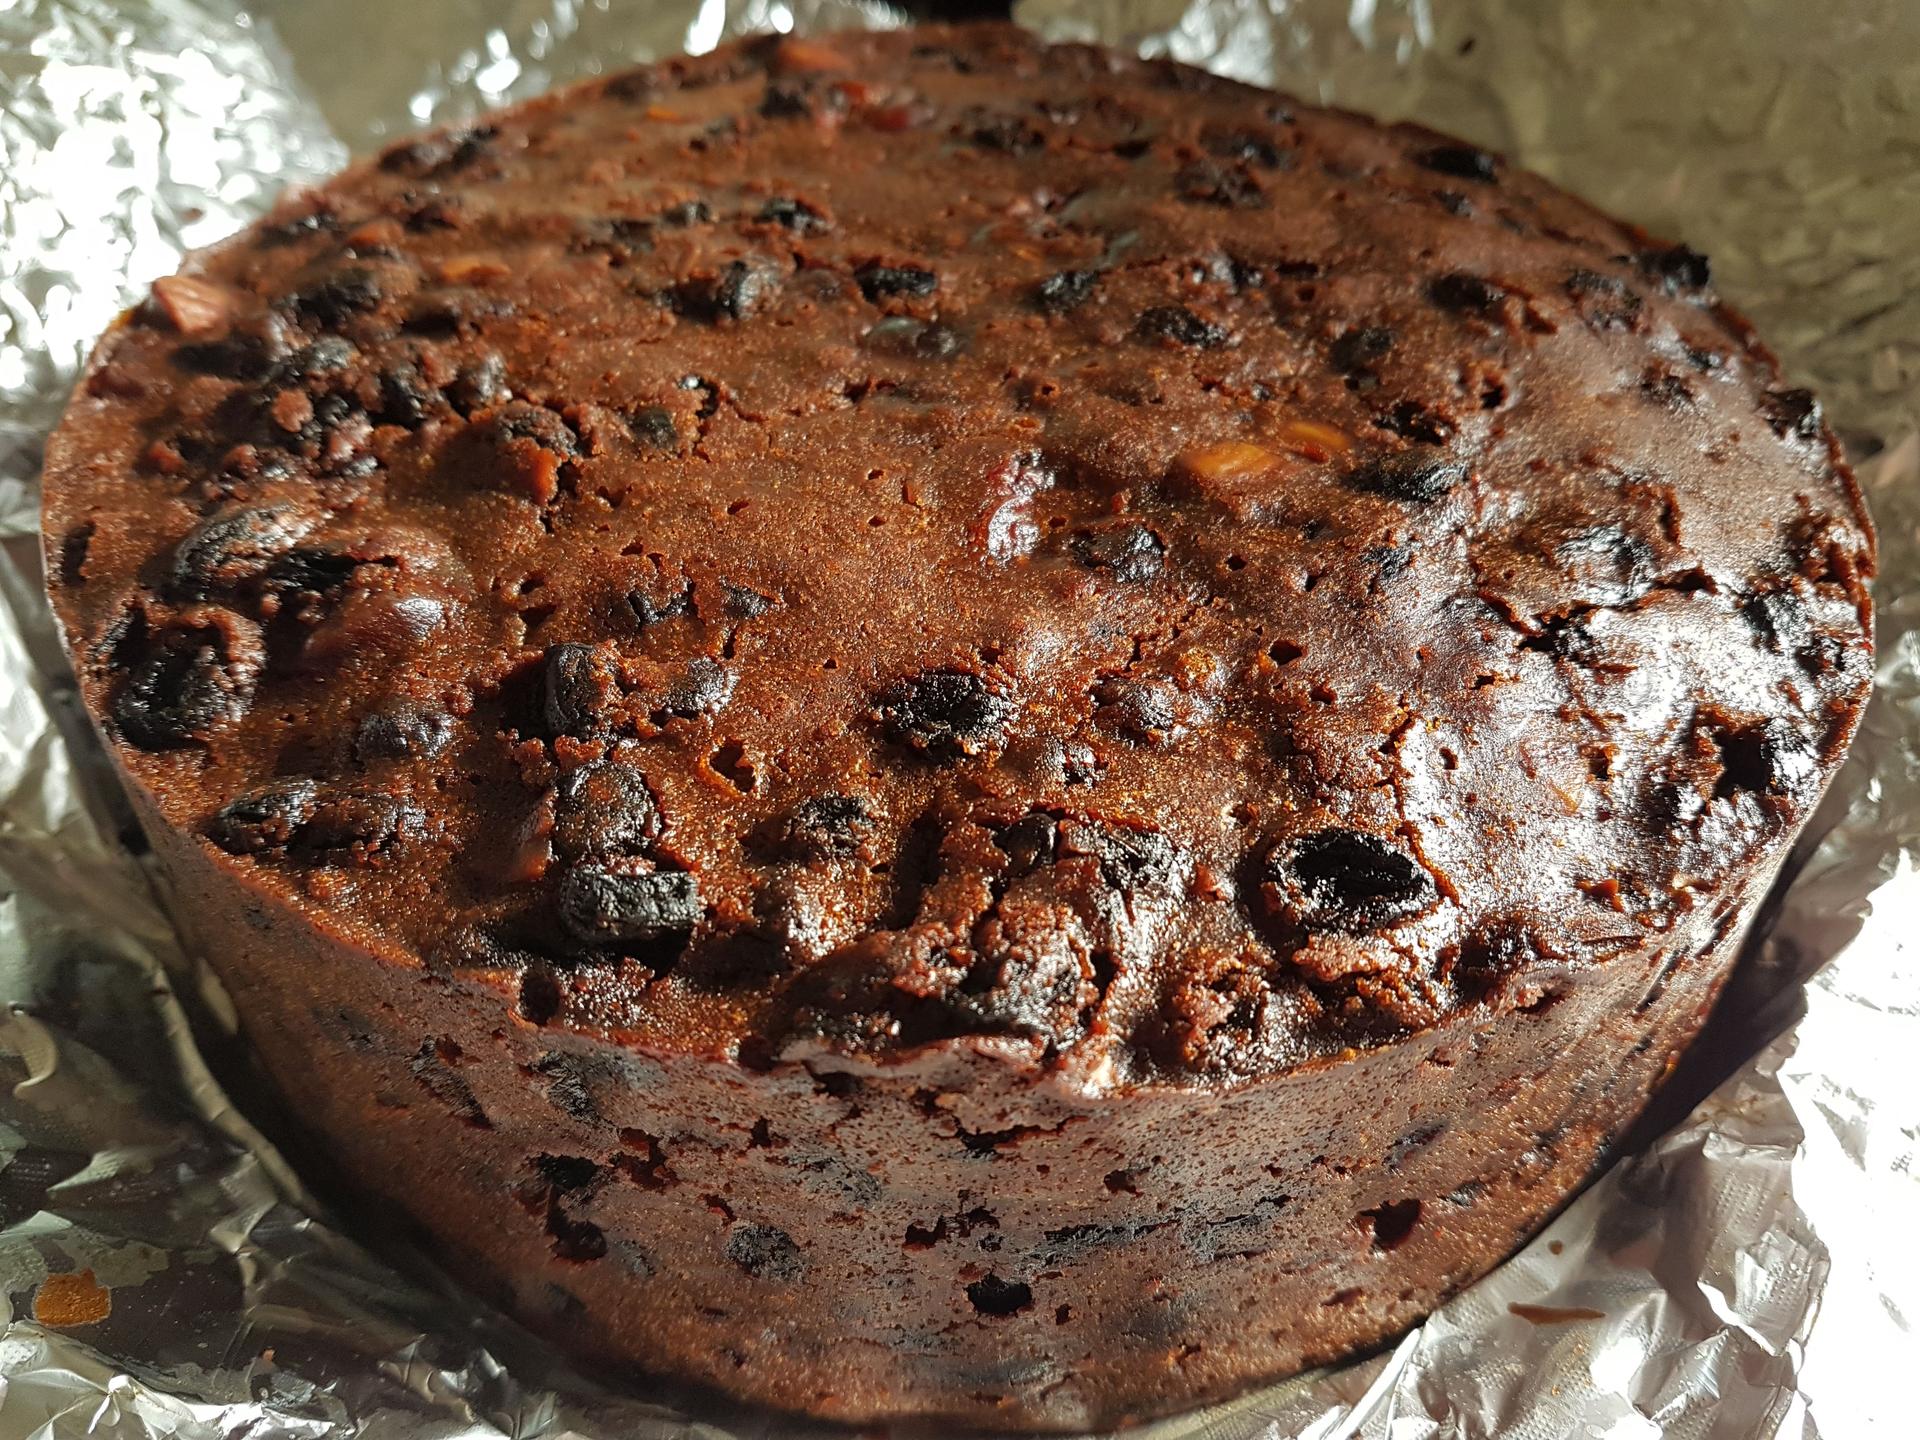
{"type": "Point", "coordinates": [942, 1235]}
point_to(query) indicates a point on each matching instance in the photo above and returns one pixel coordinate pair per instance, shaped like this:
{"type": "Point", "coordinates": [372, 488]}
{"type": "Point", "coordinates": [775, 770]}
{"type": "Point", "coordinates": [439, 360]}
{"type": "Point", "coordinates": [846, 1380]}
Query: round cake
{"type": "Point", "coordinates": [920, 725]}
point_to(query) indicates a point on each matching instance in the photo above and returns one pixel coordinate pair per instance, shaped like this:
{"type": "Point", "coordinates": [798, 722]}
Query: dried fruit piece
{"type": "Point", "coordinates": [1678, 268]}
{"type": "Point", "coordinates": [604, 808]}
{"type": "Point", "coordinates": [945, 714]}
{"type": "Point", "coordinates": [1359, 348]}
{"type": "Point", "coordinates": [1466, 293]}
{"type": "Point", "coordinates": [1128, 551]}
{"type": "Point", "coordinates": [828, 825]}
{"type": "Point", "coordinates": [766, 1253]}
{"type": "Point", "coordinates": [795, 215]}
{"type": "Point", "coordinates": [880, 282]}
{"type": "Point", "coordinates": [578, 685]}
{"type": "Point", "coordinates": [735, 292]}
{"type": "Point", "coordinates": [1345, 880]}
{"type": "Point", "coordinates": [1177, 325]}
{"type": "Point", "coordinates": [1793, 414]}
{"type": "Point", "coordinates": [195, 675]}
{"type": "Point", "coordinates": [231, 547]}
{"type": "Point", "coordinates": [1065, 290]}
{"type": "Point", "coordinates": [1464, 162]}
{"type": "Point", "coordinates": [616, 901]}
{"type": "Point", "coordinates": [402, 730]}
{"type": "Point", "coordinates": [1605, 302]}
{"type": "Point", "coordinates": [264, 819]}
{"type": "Point", "coordinates": [1411, 475]}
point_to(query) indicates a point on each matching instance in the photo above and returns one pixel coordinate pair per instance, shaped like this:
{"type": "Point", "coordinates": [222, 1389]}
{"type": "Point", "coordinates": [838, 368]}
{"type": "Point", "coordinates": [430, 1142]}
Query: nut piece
{"type": "Point", "coordinates": [195, 308]}
{"type": "Point", "coordinates": [1227, 460]}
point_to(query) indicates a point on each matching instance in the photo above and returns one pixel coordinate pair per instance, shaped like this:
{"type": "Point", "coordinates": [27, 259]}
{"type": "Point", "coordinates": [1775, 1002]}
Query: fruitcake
{"type": "Point", "coordinates": [922, 725]}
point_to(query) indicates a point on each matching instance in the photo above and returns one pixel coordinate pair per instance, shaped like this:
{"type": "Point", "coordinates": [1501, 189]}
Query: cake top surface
{"type": "Point", "coordinates": [925, 537]}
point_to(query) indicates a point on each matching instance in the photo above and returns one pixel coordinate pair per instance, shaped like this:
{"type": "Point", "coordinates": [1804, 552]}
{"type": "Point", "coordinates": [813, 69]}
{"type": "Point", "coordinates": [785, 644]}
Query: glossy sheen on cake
{"type": "Point", "coordinates": [917, 725]}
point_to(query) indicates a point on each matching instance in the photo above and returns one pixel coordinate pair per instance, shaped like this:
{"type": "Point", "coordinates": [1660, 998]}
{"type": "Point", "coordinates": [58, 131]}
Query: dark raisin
{"type": "Point", "coordinates": [1065, 290]}
{"type": "Point", "coordinates": [338, 298]}
{"type": "Point", "coordinates": [402, 730]}
{"type": "Point", "coordinates": [1131, 860]}
{"type": "Point", "coordinates": [480, 385]}
{"type": "Point", "coordinates": [1348, 881]}
{"type": "Point", "coordinates": [766, 1253]}
{"type": "Point", "coordinates": [1146, 710]}
{"type": "Point", "coordinates": [232, 357]}
{"type": "Point", "coordinates": [1605, 302]}
{"type": "Point", "coordinates": [788, 100]}
{"type": "Point", "coordinates": [1030, 841]}
{"type": "Point", "coordinates": [433, 155]}
{"type": "Point", "coordinates": [1460, 291]}
{"type": "Point", "coordinates": [878, 282]}
{"type": "Point", "coordinates": [736, 292]}
{"type": "Point", "coordinates": [406, 398]}
{"type": "Point", "coordinates": [686, 213]}
{"type": "Point", "coordinates": [945, 714]}
{"type": "Point", "coordinates": [795, 215]}
{"type": "Point", "coordinates": [1411, 475]}
{"type": "Point", "coordinates": [828, 825]}
{"type": "Point", "coordinates": [1769, 758]}
{"type": "Point", "coordinates": [265, 819]}
{"type": "Point", "coordinates": [566, 1172]}
{"type": "Point", "coordinates": [1565, 637]}
{"type": "Point", "coordinates": [1793, 414]}
{"type": "Point", "coordinates": [1128, 552]}
{"type": "Point", "coordinates": [1207, 183]}
{"type": "Point", "coordinates": [649, 610]}
{"type": "Point", "coordinates": [616, 901]}
{"type": "Point", "coordinates": [1778, 617]}
{"type": "Point", "coordinates": [996, 1297]}
{"type": "Point", "coordinates": [1360, 348]}
{"type": "Point", "coordinates": [517, 420]}
{"type": "Point", "coordinates": [1177, 325]}
{"type": "Point", "coordinates": [357, 824]}
{"type": "Point", "coordinates": [326, 356]}
{"type": "Point", "coordinates": [654, 427]}
{"type": "Point", "coordinates": [705, 688]}
{"type": "Point", "coordinates": [1010, 135]}
{"type": "Point", "coordinates": [1248, 147]}
{"type": "Point", "coordinates": [187, 686]}
{"type": "Point", "coordinates": [742, 602]}
{"type": "Point", "coordinates": [917, 339]}
{"type": "Point", "coordinates": [604, 808]}
{"type": "Point", "coordinates": [1453, 202]}
{"type": "Point", "coordinates": [1414, 421]}
{"type": "Point", "coordinates": [1668, 390]}
{"type": "Point", "coordinates": [1463, 162]}
{"type": "Point", "coordinates": [231, 547]}
{"type": "Point", "coordinates": [305, 570]}
{"type": "Point", "coordinates": [578, 686]}
{"type": "Point", "coordinates": [1678, 268]}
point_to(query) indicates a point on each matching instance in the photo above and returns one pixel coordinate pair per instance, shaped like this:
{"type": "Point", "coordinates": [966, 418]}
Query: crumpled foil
{"type": "Point", "coordinates": [1747, 1274]}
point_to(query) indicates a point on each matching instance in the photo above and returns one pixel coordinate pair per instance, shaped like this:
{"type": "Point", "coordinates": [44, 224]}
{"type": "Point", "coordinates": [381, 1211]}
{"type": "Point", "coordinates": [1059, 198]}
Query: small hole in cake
{"type": "Point", "coordinates": [1236, 562]}
{"type": "Point", "coordinates": [73, 554]}
{"type": "Point", "coordinates": [761, 1136]}
{"type": "Point", "coordinates": [1390, 1224]}
{"type": "Point", "coordinates": [920, 1237]}
{"type": "Point", "coordinates": [1063, 1315]}
{"type": "Point", "coordinates": [1348, 1296]}
{"type": "Point", "coordinates": [1123, 1182]}
{"type": "Point", "coordinates": [997, 1297]}
{"type": "Point", "coordinates": [539, 997]}
{"type": "Point", "coordinates": [1545, 1003]}
{"type": "Point", "coordinates": [730, 762]}
{"type": "Point", "coordinates": [1284, 652]}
